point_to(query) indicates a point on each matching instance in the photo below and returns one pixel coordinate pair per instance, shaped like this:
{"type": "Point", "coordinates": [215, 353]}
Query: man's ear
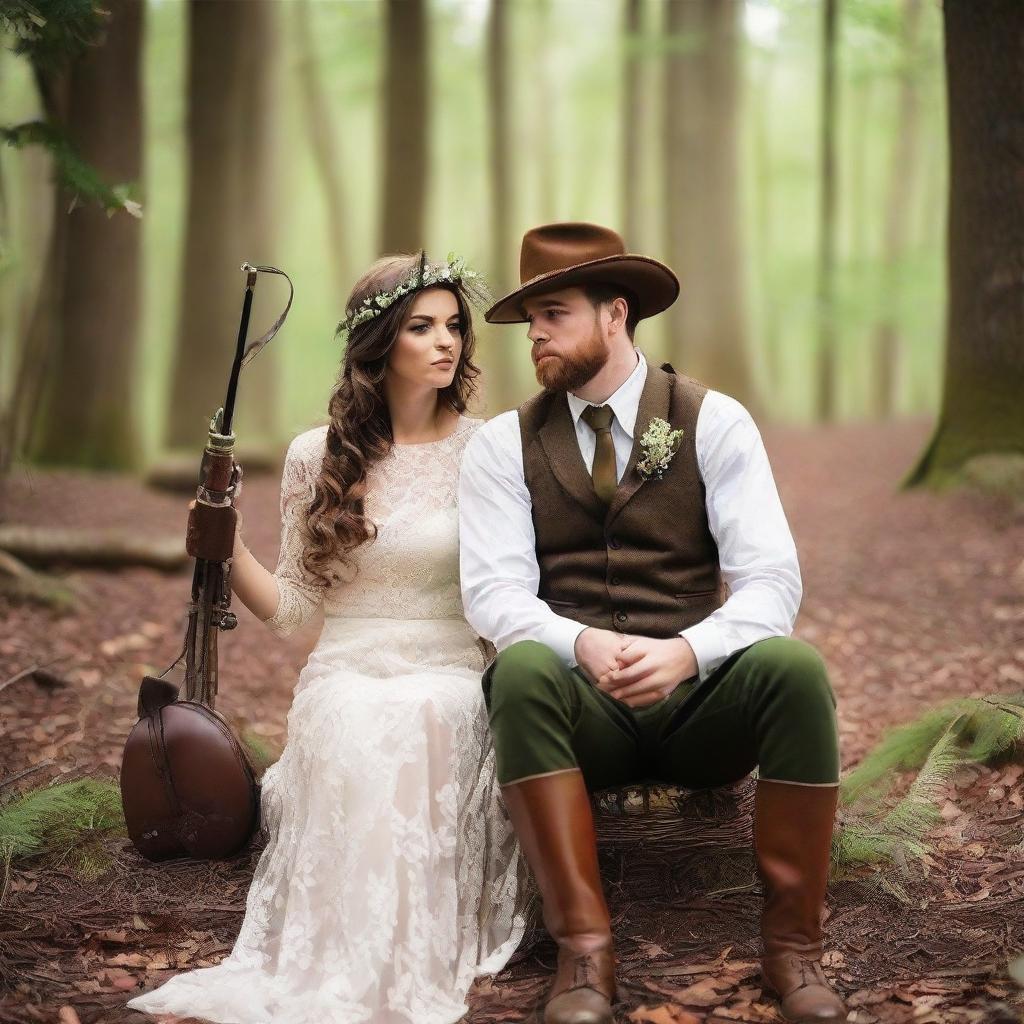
{"type": "Point", "coordinates": [619, 310]}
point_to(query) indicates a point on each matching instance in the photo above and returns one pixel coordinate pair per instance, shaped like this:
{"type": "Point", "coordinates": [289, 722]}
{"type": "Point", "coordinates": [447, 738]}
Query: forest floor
{"type": "Point", "coordinates": [910, 597]}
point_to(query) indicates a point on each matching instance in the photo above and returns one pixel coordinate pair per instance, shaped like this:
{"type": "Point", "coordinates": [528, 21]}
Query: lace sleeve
{"type": "Point", "coordinates": [300, 594]}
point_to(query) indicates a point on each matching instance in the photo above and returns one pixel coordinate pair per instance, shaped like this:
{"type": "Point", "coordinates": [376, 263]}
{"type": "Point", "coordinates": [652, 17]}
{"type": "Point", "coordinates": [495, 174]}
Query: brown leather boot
{"type": "Point", "coordinates": [552, 817]}
{"type": "Point", "coordinates": [792, 843]}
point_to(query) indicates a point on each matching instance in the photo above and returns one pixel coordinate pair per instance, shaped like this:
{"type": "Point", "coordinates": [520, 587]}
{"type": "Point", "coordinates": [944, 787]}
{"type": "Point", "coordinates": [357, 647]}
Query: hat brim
{"type": "Point", "coordinates": [654, 284]}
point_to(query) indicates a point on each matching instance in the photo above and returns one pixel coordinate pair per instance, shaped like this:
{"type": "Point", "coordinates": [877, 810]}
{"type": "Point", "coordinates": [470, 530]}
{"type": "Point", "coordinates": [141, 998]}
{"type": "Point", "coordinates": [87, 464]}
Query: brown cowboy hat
{"type": "Point", "coordinates": [555, 256]}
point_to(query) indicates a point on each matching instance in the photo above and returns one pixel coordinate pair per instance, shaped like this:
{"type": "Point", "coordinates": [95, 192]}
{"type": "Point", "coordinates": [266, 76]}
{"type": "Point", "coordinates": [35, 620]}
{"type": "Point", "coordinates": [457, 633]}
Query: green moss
{"type": "Point", "coordinates": [262, 754]}
{"type": "Point", "coordinates": [988, 457]}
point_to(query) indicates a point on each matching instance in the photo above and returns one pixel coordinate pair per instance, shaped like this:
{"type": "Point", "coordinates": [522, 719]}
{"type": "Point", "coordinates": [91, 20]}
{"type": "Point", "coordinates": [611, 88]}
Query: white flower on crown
{"type": "Point", "coordinates": [454, 270]}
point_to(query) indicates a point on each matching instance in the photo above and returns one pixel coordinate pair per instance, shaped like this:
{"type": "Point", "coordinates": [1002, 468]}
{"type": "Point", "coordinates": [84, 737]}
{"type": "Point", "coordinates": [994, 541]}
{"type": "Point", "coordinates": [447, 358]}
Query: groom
{"type": "Point", "coordinates": [621, 655]}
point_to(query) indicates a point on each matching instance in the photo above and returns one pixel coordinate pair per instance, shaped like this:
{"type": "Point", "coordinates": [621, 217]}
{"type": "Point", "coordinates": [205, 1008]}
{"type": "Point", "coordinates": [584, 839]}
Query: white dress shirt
{"type": "Point", "coordinates": [497, 545]}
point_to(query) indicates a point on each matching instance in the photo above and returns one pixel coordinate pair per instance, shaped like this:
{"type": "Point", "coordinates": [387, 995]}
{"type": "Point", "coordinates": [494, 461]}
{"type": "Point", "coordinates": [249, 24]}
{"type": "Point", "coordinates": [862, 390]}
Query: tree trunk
{"type": "Point", "coordinates": [902, 179]}
{"type": "Point", "coordinates": [826, 392]}
{"type": "Point", "coordinates": [230, 134]}
{"type": "Point", "coordinates": [498, 150]}
{"type": "Point", "coordinates": [323, 138]}
{"type": "Point", "coordinates": [39, 349]}
{"type": "Point", "coordinates": [406, 128]}
{"type": "Point", "coordinates": [93, 282]}
{"type": "Point", "coordinates": [702, 195]}
{"type": "Point", "coordinates": [503, 258]}
{"type": "Point", "coordinates": [544, 115]}
{"type": "Point", "coordinates": [764, 218]}
{"type": "Point", "coordinates": [984, 370]}
{"type": "Point", "coordinates": [102, 545]}
{"type": "Point", "coordinates": [632, 123]}
{"type": "Point", "coordinates": [860, 120]}
{"type": "Point", "coordinates": [28, 352]}
{"type": "Point", "coordinates": [258, 205]}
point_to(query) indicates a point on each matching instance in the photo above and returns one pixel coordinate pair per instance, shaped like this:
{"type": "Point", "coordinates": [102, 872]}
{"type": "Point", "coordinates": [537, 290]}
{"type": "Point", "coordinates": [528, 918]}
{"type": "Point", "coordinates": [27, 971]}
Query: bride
{"type": "Point", "coordinates": [391, 875]}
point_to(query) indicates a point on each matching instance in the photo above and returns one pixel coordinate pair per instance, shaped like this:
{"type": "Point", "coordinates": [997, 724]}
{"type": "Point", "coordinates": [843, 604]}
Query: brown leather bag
{"type": "Point", "coordinates": [188, 786]}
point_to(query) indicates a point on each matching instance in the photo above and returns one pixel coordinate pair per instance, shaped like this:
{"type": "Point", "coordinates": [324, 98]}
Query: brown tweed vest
{"type": "Point", "coordinates": [647, 564]}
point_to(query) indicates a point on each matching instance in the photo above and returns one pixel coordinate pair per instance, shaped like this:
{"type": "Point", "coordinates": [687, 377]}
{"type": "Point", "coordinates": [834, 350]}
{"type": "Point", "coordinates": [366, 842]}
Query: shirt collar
{"type": "Point", "coordinates": [624, 400]}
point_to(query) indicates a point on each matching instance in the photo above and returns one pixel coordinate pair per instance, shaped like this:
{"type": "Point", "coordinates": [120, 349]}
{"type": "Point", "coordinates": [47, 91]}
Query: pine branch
{"type": "Point", "coordinates": [74, 174]}
{"type": "Point", "coordinates": [67, 819]}
{"type": "Point", "coordinates": [961, 731]}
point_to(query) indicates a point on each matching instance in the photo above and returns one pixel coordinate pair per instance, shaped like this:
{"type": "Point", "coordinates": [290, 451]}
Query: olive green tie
{"type": "Point", "coordinates": [606, 477]}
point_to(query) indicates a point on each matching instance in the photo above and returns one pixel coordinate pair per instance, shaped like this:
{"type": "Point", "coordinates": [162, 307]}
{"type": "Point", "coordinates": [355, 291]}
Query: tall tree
{"type": "Point", "coordinates": [827, 334]}
{"type": "Point", "coordinates": [323, 139]}
{"type": "Point", "coordinates": [499, 123]}
{"type": "Point", "coordinates": [406, 127]}
{"type": "Point", "coordinates": [632, 123]}
{"type": "Point", "coordinates": [60, 180]}
{"type": "Point", "coordinates": [860, 119]}
{"type": "Point", "coordinates": [701, 183]}
{"type": "Point", "coordinates": [764, 212]}
{"type": "Point", "coordinates": [254, 219]}
{"type": "Point", "coordinates": [546, 99]}
{"type": "Point", "coordinates": [984, 370]}
{"type": "Point", "coordinates": [501, 390]}
{"type": "Point", "coordinates": [229, 135]}
{"type": "Point", "coordinates": [902, 180]}
{"type": "Point", "coordinates": [92, 285]}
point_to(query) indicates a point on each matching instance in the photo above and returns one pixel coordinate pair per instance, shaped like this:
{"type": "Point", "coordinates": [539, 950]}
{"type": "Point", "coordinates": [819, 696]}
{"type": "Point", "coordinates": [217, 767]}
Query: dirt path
{"type": "Point", "coordinates": [909, 597]}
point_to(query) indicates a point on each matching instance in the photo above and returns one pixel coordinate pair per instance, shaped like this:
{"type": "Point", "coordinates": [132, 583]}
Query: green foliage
{"type": "Point", "coordinates": [53, 32]}
{"type": "Point", "coordinates": [858, 845]}
{"type": "Point", "coordinates": [874, 34]}
{"type": "Point", "coordinates": [75, 175]}
{"type": "Point", "coordinates": [958, 732]}
{"type": "Point", "coordinates": [67, 820]}
{"type": "Point", "coordinates": [983, 728]}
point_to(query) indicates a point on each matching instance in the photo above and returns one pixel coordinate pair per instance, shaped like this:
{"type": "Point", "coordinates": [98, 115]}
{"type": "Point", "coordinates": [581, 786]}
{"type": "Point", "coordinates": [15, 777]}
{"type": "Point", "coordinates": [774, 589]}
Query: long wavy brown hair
{"type": "Point", "coordinates": [359, 432]}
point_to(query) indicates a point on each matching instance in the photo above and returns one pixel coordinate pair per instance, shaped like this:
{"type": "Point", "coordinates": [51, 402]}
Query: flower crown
{"type": "Point", "coordinates": [453, 271]}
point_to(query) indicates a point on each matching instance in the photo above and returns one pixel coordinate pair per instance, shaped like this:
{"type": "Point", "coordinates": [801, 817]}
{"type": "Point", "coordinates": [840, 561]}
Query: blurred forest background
{"type": "Point", "coordinates": [788, 158]}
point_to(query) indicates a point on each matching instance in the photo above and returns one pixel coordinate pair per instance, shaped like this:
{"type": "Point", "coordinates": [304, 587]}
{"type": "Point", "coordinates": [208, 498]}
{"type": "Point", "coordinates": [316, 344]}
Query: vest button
{"type": "Point", "coordinates": [614, 542]}
{"type": "Point", "coordinates": [621, 616]}
{"type": "Point", "coordinates": [615, 581]}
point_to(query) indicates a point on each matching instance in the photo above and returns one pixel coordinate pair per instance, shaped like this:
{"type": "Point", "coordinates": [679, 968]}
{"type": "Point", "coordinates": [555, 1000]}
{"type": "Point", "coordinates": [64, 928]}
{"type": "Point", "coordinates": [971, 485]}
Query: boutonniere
{"type": "Point", "coordinates": [659, 443]}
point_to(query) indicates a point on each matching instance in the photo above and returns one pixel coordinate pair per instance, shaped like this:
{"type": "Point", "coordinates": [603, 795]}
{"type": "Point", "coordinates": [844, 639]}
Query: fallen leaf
{"type": "Point", "coordinates": [950, 810]}
{"type": "Point", "coordinates": [652, 950]}
{"type": "Point", "coordinates": [733, 971]}
{"type": "Point", "coordinates": [663, 1015]}
{"type": "Point", "coordinates": [129, 960]}
{"type": "Point", "coordinates": [704, 993]}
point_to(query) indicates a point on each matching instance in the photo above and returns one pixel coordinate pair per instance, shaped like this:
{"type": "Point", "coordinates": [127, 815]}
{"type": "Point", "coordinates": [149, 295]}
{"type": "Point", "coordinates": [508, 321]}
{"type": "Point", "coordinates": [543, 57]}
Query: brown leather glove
{"type": "Point", "coordinates": [212, 530]}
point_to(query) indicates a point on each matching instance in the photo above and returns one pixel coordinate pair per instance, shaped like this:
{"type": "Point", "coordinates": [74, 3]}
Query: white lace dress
{"type": "Point", "coordinates": [391, 876]}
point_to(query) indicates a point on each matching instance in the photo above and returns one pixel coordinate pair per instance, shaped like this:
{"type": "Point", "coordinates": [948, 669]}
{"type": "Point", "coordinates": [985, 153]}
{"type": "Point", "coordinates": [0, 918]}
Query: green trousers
{"type": "Point", "coordinates": [769, 706]}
